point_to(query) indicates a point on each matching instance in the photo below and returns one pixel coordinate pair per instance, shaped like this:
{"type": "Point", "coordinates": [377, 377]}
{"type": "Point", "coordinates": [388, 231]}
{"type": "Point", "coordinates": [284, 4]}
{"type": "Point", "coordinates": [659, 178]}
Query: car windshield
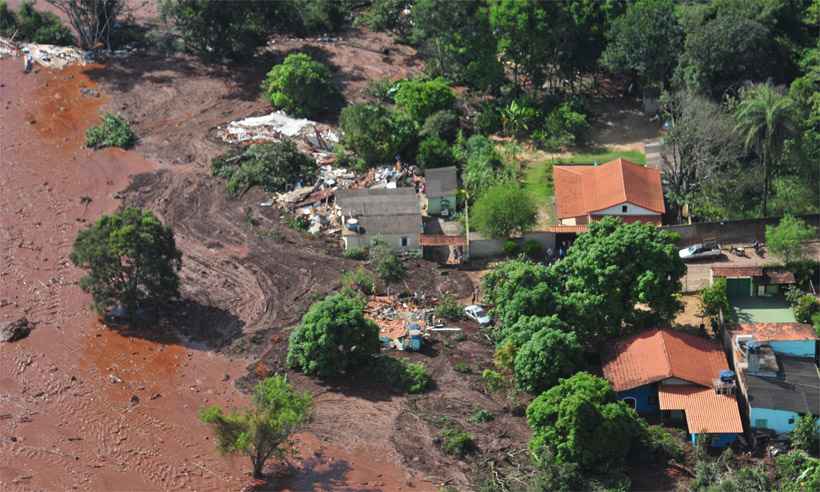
{"type": "Point", "coordinates": [479, 312]}
{"type": "Point", "coordinates": [693, 249]}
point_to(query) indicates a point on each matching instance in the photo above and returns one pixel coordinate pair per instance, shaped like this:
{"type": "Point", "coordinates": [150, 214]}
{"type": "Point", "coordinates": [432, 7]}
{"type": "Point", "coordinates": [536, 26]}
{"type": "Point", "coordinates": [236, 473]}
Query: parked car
{"type": "Point", "coordinates": [478, 314]}
{"type": "Point", "coordinates": [700, 251]}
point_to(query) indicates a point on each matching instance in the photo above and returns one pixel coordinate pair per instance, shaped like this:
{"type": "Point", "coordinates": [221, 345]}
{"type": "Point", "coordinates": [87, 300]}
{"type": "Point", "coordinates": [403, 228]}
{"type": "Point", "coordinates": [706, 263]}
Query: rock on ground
{"type": "Point", "coordinates": [11, 331]}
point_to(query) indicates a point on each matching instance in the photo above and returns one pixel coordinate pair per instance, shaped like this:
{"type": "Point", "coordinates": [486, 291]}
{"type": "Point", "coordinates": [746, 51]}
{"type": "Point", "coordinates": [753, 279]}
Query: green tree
{"type": "Point", "coordinates": [787, 237]}
{"type": "Point", "coordinates": [525, 326]}
{"type": "Point", "coordinates": [113, 131]}
{"type": "Point", "coordinates": [797, 472]}
{"type": "Point", "coordinates": [301, 86]}
{"type": "Point", "coordinates": [421, 98]}
{"type": "Point", "coordinates": [483, 166]}
{"type": "Point", "coordinates": [434, 152]}
{"type": "Point", "coordinates": [713, 299]}
{"type": "Point", "coordinates": [131, 258]}
{"type": "Point", "coordinates": [441, 124]}
{"type": "Point", "coordinates": [262, 431]}
{"type": "Point", "coordinates": [516, 289]}
{"type": "Point", "coordinates": [765, 118]}
{"type": "Point", "coordinates": [333, 338]}
{"type": "Point", "coordinates": [33, 25]}
{"type": "Point", "coordinates": [611, 269]}
{"type": "Point", "coordinates": [579, 421]}
{"type": "Point", "coordinates": [273, 166]}
{"type": "Point", "coordinates": [387, 264]}
{"type": "Point", "coordinates": [524, 33]}
{"type": "Point", "coordinates": [645, 42]}
{"type": "Point", "coordinates": [548, 356]}
{"type": "Point", "coordinates": [375, 134]}
{"type": "Point", "coordinates": [806, 434]}
{"type": "Point", "coordinates": [457, 42]}
{"type": "Point", "coordinates": [504, 209]}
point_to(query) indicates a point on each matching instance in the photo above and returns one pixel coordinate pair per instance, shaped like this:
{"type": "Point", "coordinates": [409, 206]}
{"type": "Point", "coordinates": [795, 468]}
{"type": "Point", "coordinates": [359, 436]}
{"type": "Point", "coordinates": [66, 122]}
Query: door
{"type": "Point", "coordinates": [738, 287]}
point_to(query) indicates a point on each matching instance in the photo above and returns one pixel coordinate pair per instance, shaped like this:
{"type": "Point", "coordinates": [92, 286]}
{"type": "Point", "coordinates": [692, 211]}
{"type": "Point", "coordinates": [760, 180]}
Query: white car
{"type": "Point", "coordinates": [700, 252]}
{"type": "Point", "coordinates": [478, 314]}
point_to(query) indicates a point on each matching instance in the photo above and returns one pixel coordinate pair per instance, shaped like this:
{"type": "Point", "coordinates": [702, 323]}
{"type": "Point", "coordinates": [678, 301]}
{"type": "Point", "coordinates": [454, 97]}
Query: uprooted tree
{"type": "Point", "coordinates": [92, 19]}
{"type": "Point", "coordinates": [262, 431]}
{"type": "Point", "coordinates": [132, 261]}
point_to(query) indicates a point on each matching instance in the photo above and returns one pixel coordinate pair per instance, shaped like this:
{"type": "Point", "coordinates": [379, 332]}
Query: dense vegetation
{"type": "Point", "coordinates": [131, 259]}
{"type": "Point", "coordinates": [301, 86]}
{"type": "Point", "coordinates": [113, 131]}
{"type": "Point", "coordinates": [34, 26]}
{"type": "Point", "coordinates": [273, 166]}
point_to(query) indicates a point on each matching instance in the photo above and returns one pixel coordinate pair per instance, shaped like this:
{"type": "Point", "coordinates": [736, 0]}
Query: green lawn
{"type": "Point", "coordinates": [602, 157]}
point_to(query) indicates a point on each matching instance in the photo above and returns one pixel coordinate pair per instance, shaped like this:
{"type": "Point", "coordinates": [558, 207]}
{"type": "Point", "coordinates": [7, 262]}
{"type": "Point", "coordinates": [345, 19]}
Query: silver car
{"type": "Point", "coordinates": [700, 252]}
{"type": "Point", "coordinates": [478, 314]}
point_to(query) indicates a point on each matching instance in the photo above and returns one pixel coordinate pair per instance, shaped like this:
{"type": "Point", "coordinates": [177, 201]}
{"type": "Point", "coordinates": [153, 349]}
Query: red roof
{"type": "Point", "coordinates": [565, 229]}
{"type": "Point", "coordinates": [766, 332]}
{"type": "Point", "coordinates": [656, 355]}
{"type": "Point", "coordinates": [737, 271]}
{"type": "Point", "coordinates": [441, 240]}
{"type": "Point", "coordinates": [581, 190]}
{"type": "Point", "coordinates": [706, 411]}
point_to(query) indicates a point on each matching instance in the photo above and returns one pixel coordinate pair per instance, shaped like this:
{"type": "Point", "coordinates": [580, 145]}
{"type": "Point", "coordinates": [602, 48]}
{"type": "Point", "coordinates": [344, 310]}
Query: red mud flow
{"type": "Point", "coordinates": [83, 407]}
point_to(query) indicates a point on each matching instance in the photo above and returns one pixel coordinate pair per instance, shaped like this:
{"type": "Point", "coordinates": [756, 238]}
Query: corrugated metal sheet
{"type": "Point", "coordinates": [706, 411]}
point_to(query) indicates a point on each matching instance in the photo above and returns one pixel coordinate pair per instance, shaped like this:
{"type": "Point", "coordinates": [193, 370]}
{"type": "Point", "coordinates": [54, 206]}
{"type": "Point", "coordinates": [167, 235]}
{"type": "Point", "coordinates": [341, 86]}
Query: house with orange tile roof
{"type": "Point", "coordinates": [617, 188]}
{"type": "Point", "coordinates": [683, 377]}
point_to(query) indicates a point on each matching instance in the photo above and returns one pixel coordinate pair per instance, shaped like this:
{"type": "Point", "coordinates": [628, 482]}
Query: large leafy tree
{"type": "Point", "coordinates": [645, 42]}
{"type": "Point", "coordinates": [374, 133]}
{"type": "Point", "coordinates": [457, 41]}
{"type": "Point", "coordinates": [579, 421]}
{"type": "Point", "coordinates": [334, 337]}
{"type": "Point", "coordinates": [611, 269]}
{"type": "Point", "coordinates": [585, 39]}
{"type": "Point", "coordinates": [483, 166]}
{"type": "Point", "coordinates": [273, 166]}
{"type": "Point", "coordinates": [504, 209]}
{"type": "Point", "coordinates": [131, 258]}
{"type": "Point", "coordinates": [548, 356]}
{"type": "Point", "coordinates": [301, 86]}
{"type": "Point", "coordinates": [523, 30]}
{"type": "Point", "coordinates": [516, 289]}
{"type": "Point", "coordinates": [786, 239]}
{"type": "Point", "coordinates": [765, 119]}
{"type": "Point", "coordinates": [420, 98]}
{"type": "Point", "coordinates": [262, 431]}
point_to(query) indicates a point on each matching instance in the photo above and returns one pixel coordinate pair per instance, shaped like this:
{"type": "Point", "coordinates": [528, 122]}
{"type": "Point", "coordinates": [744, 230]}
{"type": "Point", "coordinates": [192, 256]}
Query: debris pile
{"type": "Point", "coordinates": [11, 331]}
{"type": "Point", "coordinates": [47, 55]}
{"type": "Point", "coordinates": [402, 324]}
{"type": "Point", "coordinates": [318, 138]}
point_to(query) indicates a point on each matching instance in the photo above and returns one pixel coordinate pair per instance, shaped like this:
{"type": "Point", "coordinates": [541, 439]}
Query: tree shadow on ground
{"type": "Point", "coordinates": [316, 473]}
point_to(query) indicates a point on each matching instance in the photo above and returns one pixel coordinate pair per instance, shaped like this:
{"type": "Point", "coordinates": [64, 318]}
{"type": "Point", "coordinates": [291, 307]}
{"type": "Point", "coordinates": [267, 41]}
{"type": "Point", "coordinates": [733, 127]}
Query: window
{"type": "Point", "coordinates": [761, 423]}
{"type": "Point", "coordinates": [791, 420]}
{"type": "Point", "coordinates": [404, 241]}
{"type": "Point", "coordinates": [632, 402]}
{"type": "Point", "coordinates": [623, 208]}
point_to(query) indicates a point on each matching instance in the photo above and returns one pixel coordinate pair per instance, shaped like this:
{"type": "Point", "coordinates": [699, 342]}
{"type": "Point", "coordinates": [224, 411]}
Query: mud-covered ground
{"type": "Point", "coordinates": [86, 407]}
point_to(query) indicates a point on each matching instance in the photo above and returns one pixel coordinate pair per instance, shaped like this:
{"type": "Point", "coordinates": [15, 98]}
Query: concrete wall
{"type": "Point", "coordinates": [797, 348]}
{"type": "Point", "coordinates": [780, 421]}
{"type": "Point", "coordinates": [631, 209]}
{"type": "Point", "coordinates": [394, 240]}
{"type": "Point", "coordinates": [732, 231]}
{"type": "Point", "coordinates": [714, 440]}
{"type": "Point", "coordinates": [488, 248]}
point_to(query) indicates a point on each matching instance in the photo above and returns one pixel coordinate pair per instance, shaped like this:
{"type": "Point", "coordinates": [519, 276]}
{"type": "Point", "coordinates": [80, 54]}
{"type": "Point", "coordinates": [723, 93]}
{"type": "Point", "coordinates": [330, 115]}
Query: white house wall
{"type": "Point", "coordinates": [631, 209]}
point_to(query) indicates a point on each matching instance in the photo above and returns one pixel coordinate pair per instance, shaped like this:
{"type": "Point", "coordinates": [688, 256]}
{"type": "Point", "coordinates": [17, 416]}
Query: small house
{"type": "Point", "coordinates": [776, 364]}
{"type": "Point", "coordinates": [682, 377]}
{"type": "Point", "coordinates": [391, 215]}
{"type": "Point", "coordinates": [745, 281]}
{"type": "Point", "coordinates": [618, 188]}
{"type": "Point", "coordinates": [440, 188]}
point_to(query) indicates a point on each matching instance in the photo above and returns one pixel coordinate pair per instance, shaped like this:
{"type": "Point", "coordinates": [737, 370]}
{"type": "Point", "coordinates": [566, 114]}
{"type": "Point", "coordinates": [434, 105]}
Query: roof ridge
{"type": "Point", "coordinates": [666, 353]}
{"type": "Point", "coordinates": [623, 177]}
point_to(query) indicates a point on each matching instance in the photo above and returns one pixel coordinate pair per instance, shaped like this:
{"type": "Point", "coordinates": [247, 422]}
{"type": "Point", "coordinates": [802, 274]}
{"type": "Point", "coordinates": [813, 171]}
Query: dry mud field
{"type": "Point", "coordinates": [85, 407]}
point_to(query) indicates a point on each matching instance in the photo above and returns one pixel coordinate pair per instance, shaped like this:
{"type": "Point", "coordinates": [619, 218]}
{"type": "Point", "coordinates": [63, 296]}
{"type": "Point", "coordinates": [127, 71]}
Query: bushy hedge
{"type": "Point", "coordinates": [421, 98]}
{"type": "Point", "coordinates": [301, 86]}
{"type": "Point", "coordinates": [114, 131]}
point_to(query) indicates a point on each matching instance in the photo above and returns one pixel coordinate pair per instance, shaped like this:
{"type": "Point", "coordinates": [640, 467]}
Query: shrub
{"type": "Point", "coordinates": [356, 253]}
{"type": "Point", "coordinates": [805, 308]}
{"type": "Point", "coordinates": [375, 134]}
{"type": "Point", "coordinates": [273, 166]}
{"type": "Point", "coordinates": [714, 299]}
{"type": "Point", "coordinates": [301, 86]}
{"type": "Point", "coordinates": [661, 444]}
{"type": "Point", "coordinates": [34, 26]}
{"type": "Point", "coordinates": [441, 124]}
{"type": "Point", "coordinates": [333, 337]}
{"type": "Point", "coordinates": [480, 416]}
{"type": "Point", "coordinates": [387, 264]}
{"type": "Point", "coordinates": [806, 435]}
{"type": "Point", "coordinates": [298, 222]}
{"type": "Point", "coordinates": [380, 89]}
{"type": "Point", "coordinates": [457, 442]}
{"type": "Point", "coordinates": [511, 247]}
{"type": "Point", "coordinates": [493, 380]}
{"type": "Point", "coordinates": [504, 209]}
{"type": "Point", "coordinates": [488, 119]}
{"type": "Point", "coordinates": [483, 166]}
{"type": "Point", "coordinates": [403, 376]}
{"type": "Point", "coordinates": [462, 367]}
{"type": "Point", "coordinates": [504, 356]}
{"type": "Point", "coordinates": [421, 98]}
{"type": "Point", "coordinates": [434, 152]}
{"type": "Point", "coordinates": [449, 308]}
{"type": "Point", "coordinates": [112, 132]}
{"type": "Point", "coordinates": [519, 118]}
{"type": "Point", "coordinates": [359, 279]}
{"type": "Point", "coordinates": [532, 248]}
{"type": "Point", "coordinates": [321, 16]}
{"type": "Point", "coordinates": [786, 240]}
{"type": "Point", "coordinates": [563, 127]}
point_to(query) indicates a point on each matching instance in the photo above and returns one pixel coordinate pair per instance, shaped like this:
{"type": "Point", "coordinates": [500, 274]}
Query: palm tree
{"type": "Point", "coordinates": [765, 119]}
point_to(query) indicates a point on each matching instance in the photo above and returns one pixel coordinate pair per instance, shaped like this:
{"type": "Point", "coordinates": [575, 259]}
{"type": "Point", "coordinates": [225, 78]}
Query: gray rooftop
{"type": "Point", "coordinates": [796, 388]}
{"type": "Point", "coordinates": [441, 181]}
{"type": "Point", "coordinates": [367, 202]}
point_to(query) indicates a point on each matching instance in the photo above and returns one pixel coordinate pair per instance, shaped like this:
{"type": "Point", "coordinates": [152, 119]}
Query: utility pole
{"type": "Point", "coordinates": [467, 223]}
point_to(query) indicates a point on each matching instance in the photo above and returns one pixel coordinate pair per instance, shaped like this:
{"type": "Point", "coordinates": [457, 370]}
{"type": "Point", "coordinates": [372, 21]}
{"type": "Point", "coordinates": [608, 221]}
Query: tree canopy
{"type": "Point", "coordinates": [262, 431]}
{"type": "Point", "coordinates": [132, 261]}
{"type": "Point", "coordinates": [545, 358]}
{"type": "Point", "coordinates": [374, 133]}
{"type": "Point", "coordinates": [273, 166]}
{"type": "Point", "coordinates": [333, 338]}
{"type": "Point", "coordinates": [786, 239]}
{"type": "Point", "coordinates": [421, 98]}
{"type": "Point", "coordinates": [301, 86]}
{"type": "Point", "coordinates": [504, 209]}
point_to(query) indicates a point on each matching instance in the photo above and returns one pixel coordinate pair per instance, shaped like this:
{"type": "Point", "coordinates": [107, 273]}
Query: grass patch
{"type": "Point", "coordinates": [456, 442]}
{"type": "Point", "coordinates": [114, 131]}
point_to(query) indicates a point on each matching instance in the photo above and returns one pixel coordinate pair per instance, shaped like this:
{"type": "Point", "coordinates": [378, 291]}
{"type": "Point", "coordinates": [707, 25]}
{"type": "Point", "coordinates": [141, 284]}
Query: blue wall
{"type": "Point", "coordinates": [776, 420]}
{"type": "Point", "coordinates": [642, 395]}
{"type": "Point", "coordinates": [714, 440]}
{"type": "Point", "coordinates": [797, 348]}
